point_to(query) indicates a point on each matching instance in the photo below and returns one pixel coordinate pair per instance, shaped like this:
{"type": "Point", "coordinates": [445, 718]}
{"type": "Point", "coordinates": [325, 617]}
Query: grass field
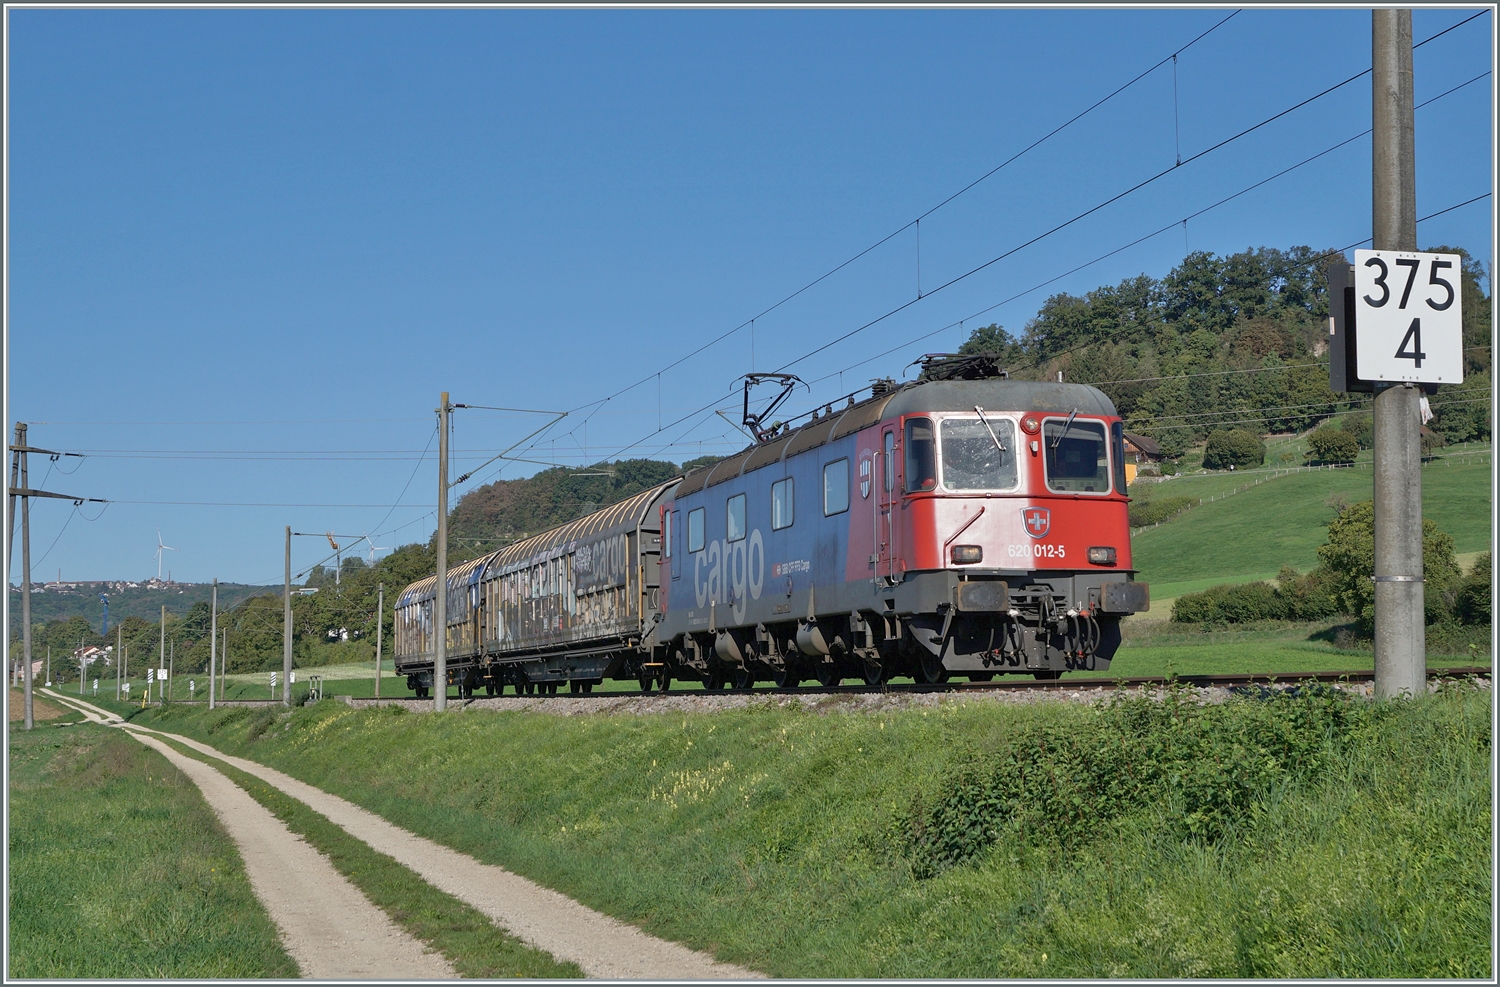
{"type": "Point", "coordinates": [777, 837]}
{"type": "Point", "coordinates": [118, 868]}
{"type": "Point", "coordinates": [1252, 534]}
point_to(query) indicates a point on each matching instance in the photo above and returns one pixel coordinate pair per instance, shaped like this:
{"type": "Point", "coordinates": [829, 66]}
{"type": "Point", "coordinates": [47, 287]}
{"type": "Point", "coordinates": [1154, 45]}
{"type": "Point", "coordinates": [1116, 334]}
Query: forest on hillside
{"type": "Point", "coordinates": [1219, 343]}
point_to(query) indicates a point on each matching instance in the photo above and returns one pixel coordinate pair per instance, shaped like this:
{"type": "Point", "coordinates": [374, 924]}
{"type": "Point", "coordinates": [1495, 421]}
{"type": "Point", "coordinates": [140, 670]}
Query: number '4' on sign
{"type": "Point", "coordinates": [1408, 319]}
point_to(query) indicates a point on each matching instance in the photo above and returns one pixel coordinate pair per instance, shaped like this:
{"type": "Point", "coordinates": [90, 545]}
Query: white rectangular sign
{"type": "Point", "coordinates": [1408, 324]}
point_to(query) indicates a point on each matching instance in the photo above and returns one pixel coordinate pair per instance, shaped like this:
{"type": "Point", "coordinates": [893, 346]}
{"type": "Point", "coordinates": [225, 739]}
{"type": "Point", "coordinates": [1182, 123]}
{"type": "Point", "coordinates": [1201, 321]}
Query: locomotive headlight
{"type": "Point", "coordinates": [1102, 556]}
{"type": "Point", "coordinates": [1031, 425]}
{"type": "Point", "coordinates": [966, 554]}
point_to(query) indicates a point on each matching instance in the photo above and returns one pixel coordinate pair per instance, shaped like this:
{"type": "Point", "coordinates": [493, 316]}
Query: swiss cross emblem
{"type": "Point", "coordinates": [1037, 520]}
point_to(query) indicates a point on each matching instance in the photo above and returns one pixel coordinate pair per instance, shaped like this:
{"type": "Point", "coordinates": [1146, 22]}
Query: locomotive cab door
{"type": "Point", "coordinates": [888, 487]}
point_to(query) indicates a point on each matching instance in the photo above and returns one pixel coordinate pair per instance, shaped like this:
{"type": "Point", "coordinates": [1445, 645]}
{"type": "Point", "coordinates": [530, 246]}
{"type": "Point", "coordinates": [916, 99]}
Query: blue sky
{"type": "Point", "coordinates": [247, 248]}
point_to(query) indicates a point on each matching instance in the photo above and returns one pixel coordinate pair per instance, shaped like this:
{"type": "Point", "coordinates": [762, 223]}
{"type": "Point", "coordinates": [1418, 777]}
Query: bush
{"type": "Point", "coordinates": [1206, 765]}
{"type": "Point", "coordinates": [1349, 559]}
{"type": "Point", "coordinates": [1332, 445]}
{"type": "Point", "coordinates": [1237, 448]}
{"type": "Point", "coordinates": [1295, 597]}
{"type": "Point", "coordinates": [1471, 604]}
{"type": "Point", "coordinates": [1149, 512]}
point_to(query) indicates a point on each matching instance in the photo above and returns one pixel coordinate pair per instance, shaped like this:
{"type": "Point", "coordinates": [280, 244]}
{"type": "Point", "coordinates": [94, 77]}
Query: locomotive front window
{"type": "Point", "coordinates": [979, 455]}
{"type": "Point", "coordinates": [695, 530]}
{"type": "Point", "coordinates": [734, 517]}
{"type": "Point", "coordinates": [1076, 456]}
{"type": "Point", "coordinates": [921, 456]}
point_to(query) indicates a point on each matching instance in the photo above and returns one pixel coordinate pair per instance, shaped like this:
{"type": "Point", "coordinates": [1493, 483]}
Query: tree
{"type": "Point", "coordinates": [1332, 445]}
{"type": "Point", "coordinates": [1235, 448]}
{"type": "Point", "coordinates": [1349, 560]}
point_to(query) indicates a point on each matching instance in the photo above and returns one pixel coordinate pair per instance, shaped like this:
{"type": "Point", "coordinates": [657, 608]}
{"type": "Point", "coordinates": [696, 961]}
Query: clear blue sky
{"type": "Point", "coordinates": [247, 248]}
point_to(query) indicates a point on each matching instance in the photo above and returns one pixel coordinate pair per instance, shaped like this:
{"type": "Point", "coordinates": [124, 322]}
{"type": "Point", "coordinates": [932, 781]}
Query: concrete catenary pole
{"type": "Point", "coordinates": [213, 642]}
{"type": "Point", "coordinates": [25, 578]}
{"type": "Point", "coordinates": [379, 636]}
{"type": "Point", "coordinates": [286, 624]}
{"type": "Point", "coordinates": [440, 594]}
{"type": "Point", "coordinates": [161, 666]}
{"type": "Point", "coordinates": [1400, 627]}
{"type": "Point", "coordinates": [225, 653]}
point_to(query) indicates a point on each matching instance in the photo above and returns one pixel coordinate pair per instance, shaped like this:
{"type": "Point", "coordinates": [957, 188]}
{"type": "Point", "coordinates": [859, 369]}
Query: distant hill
{"type": "Point", "coordinates": [499, 513]}
{"type": "Point", "coordinates": [144, 600]}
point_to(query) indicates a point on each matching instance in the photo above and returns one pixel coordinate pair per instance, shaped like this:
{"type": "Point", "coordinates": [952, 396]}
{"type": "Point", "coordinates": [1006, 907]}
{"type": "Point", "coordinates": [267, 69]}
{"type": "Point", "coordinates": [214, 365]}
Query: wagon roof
{"type": "Point", "coordinates": [464, 574]}
{"type": "Point", "coordinates": [614, 519]}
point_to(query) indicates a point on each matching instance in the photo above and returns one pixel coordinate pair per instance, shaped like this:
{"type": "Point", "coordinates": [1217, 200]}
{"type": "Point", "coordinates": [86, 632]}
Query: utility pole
{"type": "Point", "coordinates": [161, 666]}
{"type": "Point", "coordinates": [440, 601]}
{"type": "Point", "coordinates": [25, 493]}
{"type": "Point", "coordinates": [213, 641]}
{"type": "Point", "coordinates": [172, 671]}
{"type": "Point", "coordinates": [379, 636]}
{"type": "Point", "coordinates": [225, 670]}
{"type": "Point", "coordinates": [1400, 625]}
{"type": "Point", "coordinates": [25, 569]}
{"type": "Point", "coordinates": [119, 658]}
{"type": "Point", "coordinates": [286, 623]}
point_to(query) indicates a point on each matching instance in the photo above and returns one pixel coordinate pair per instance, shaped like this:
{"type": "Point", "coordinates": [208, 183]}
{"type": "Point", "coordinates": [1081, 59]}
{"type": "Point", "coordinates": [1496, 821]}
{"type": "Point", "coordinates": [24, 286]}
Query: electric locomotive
{"type": "Point", "coordinates": [943, 527]}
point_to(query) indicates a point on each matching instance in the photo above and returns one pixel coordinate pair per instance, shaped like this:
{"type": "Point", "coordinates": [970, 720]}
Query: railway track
{"type": "Point", "coordinates": [1070, 685]}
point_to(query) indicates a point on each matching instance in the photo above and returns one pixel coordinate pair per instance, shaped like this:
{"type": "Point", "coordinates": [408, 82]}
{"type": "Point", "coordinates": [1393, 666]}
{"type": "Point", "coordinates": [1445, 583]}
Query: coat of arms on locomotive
{"type": "Point", "coordinates": [1037, 521]}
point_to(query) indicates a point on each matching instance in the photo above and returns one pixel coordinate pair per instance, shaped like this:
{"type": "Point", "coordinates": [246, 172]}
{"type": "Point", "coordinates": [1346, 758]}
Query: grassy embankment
{"type": "Point", "coordinates": [782, 839]}
{"type": "Point", "coordinates": [118, 867]}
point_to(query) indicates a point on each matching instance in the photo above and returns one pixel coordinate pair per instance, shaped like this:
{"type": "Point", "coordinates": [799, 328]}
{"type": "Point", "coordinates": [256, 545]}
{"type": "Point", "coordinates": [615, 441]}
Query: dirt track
{"type": "Point", "coordinates": [326, 924]}
{"type": "Point", "coordinates": [602, 946]}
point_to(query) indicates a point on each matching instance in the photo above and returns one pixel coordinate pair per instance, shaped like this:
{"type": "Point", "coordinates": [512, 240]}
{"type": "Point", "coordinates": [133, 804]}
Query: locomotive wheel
{"type": "Point", "coordinates": [930, 668]}
{"type": "Point", "coordinates": [828, 674]}
{"type": "Point", "coordinates": [744, 677]}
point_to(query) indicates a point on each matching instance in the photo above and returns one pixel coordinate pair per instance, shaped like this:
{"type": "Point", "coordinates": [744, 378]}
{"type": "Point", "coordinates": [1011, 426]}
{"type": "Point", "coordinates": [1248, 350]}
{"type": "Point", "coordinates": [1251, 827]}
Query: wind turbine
{"type": "Point", "coordinates": [374, 548]}
{"type": "Point", "coordinates": [159, 549]}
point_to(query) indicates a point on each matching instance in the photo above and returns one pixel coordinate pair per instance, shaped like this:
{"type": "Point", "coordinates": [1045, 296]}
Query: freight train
{"type": "Point", "coordinates": [946, 527]}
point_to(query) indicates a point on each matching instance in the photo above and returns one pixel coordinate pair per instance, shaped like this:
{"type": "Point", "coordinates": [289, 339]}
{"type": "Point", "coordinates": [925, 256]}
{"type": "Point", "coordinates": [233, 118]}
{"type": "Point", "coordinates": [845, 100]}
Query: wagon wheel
{"type": "Point", "coordinates": [1048, 674]}
{"type": "Point", "coordinates": [664, 681]}
{"type": "Point", "coordinates": [713, 680]}
{"type": "Point", "coordinates": [874, 672]}
{"type": "Point", "coordinates": [744, 677]}
{"type": "Point", "coordinates": [645, 679]}
{"type": "Point", "coordinates": [786, 675]}
{"type": "Point", "coordinates": [981, 676]}
{"type": "Point", "coordinates": [828, 674]}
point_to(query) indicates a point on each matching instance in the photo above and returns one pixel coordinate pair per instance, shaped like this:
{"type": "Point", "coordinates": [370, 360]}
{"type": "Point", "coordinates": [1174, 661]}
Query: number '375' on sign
{"type": "Point", "coordinates": [1410, 326]}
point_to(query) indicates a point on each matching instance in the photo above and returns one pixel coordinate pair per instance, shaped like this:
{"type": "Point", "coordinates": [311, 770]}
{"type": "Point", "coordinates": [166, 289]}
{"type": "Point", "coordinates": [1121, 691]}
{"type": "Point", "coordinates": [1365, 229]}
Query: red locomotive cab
{"type": "Point", "coordinates": [1009, 490]}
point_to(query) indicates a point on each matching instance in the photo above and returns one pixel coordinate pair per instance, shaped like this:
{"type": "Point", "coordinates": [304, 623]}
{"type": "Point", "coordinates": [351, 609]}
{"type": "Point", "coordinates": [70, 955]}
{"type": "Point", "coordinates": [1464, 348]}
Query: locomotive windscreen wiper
{"type": "Point", "coordinates": [1066, 425]}
{"type": "Point", "coordinates": [998, 444]}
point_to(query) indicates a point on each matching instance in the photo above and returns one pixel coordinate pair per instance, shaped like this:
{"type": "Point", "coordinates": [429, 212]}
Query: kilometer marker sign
{"type": "Point", "coordinates": [1409, 319]}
